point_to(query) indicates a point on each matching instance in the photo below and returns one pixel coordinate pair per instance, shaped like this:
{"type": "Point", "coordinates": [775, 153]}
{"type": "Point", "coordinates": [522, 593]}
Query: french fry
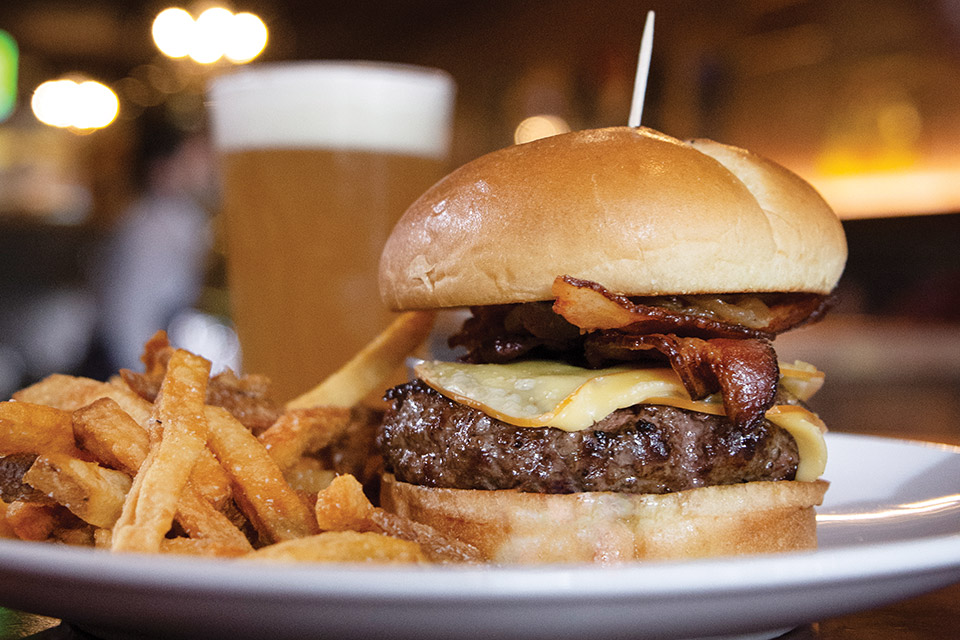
{"type": "Point", "coordinates": [342, 546]}
{"type": "Point", "coordinates": [111, 435]}
{"type": "Point", "coordinates": [207, 476]}
{"type": "Point", "coordinates": [309, 475]}
{"type": "Point", "coordinates": [12, 487]}
{"type": "Point", "coordinates": [201, 456]}
{"type": "Point", "coordinates": [101, 538]}
{"type": "Point", "coordinates": [135, 406]}
{"type": "Point", "coordinates": [202, 521]}
{"type": "Point", "coordinates": [115, 440]}
{"type": "Point", "coordinates": [102, 429]}
{"type": "Point", "coordinates": [211, 480]}
{"type": "Point", "coordinates": [152, 501]}
{"type": "Point", "coordinates": [45, 523]}
{"type": "Point", "coordinates": [304, 430]}
{"type": "Point", "coordinates": [31, 521]}
{"type": "Point", "coordinates": [146, 388]}
{"type": "Point", "coordinates": [78, 536]}
{"type": "Point", "coordinates": [263, 494]}
{"type": "Point", "coordinates": [6, 531]}
{"type": "Point", "coordinates": [247, 398]}
{"type": "Point", "coordinates": [203, 547]}
{"type": "Point", "coordinates": [60, 391]}
{"type": "Point", "coordinates": [91, 492]}
{"type": "Point", "coordinates": [70, 393]}
{"type": "Point", "coordinates": [367, 370]}
{"type": "Point", "coordinates": [156, 354]}
{"type": "Point", "coordinates": [436, 547]}
{"type": "Point", "coordinates": [32, 428]}
{"type": "Point", "coordinates": [343, 506]}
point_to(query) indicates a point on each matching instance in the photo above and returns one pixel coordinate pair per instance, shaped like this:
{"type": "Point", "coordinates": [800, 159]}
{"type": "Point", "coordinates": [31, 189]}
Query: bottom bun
{"type": "Point", "coordinates": [510, 527]}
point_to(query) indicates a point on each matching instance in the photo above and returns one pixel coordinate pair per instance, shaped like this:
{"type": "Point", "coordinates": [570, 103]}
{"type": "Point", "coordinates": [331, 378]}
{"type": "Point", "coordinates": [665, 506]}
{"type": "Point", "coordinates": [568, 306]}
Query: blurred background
{"type": "Point", "coordinates": [861, 97]}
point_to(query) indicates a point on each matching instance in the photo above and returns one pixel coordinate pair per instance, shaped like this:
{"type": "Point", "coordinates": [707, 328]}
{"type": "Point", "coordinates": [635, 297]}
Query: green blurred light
{"type": "Point", "coordinates": [8, 74]}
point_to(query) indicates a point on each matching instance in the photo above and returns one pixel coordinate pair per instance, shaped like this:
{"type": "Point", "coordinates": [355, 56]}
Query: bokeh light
{"type": "Point", "coordinates": [173, 32]}
{"type": "Point", "coordinates": [78, 105]}
{"type": "Point", "coordinates": [247, 38]}
{"type": "Point", "coordinates": [96, 105]}
{"type": "Point", "coordinates": [211, 34]}
{"type": "Point", "coordinates": [215, 34]}
{"type": "Point", "coordinates": [47, 103]}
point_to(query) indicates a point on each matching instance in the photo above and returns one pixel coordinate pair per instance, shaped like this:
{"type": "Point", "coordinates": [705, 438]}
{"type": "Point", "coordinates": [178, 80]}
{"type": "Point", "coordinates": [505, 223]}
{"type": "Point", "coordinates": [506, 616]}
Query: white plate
{"type": "Point", "coordinates": [890, 528]}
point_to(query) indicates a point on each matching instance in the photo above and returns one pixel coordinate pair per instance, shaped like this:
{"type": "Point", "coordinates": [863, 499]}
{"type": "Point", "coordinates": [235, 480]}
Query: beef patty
{"type": "Point", "coordinates": [430, 440]}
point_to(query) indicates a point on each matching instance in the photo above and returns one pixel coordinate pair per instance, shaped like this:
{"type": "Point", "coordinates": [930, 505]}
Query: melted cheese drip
{"type": "Point", "coordinates": [537, 393]}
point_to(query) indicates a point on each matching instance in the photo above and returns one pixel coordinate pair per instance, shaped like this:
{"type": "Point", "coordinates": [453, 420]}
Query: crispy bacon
{"type": "Point", "coordinates": [714, 343]}
{"type": "Point", "coordinates": [590, 306]}
{"type": "Point", "coordinates": [744, 371]}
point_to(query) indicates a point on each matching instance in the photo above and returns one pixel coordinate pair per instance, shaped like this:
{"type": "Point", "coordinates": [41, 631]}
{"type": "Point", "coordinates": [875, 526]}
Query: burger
{"type": "Point", "coordinates": [618, 396]}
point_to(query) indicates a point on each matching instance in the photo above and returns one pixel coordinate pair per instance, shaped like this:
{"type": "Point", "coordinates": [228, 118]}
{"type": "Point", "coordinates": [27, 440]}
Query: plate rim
{"type": "Point", "coordinates": [847, 563]}
{"type": "Point", "coordinates": [140, 571]}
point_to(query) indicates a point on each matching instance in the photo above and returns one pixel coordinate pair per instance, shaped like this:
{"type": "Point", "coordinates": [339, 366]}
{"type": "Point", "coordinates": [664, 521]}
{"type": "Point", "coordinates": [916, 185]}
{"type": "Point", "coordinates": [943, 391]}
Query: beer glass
{"type": "Point", "coordinates": [318, 161]}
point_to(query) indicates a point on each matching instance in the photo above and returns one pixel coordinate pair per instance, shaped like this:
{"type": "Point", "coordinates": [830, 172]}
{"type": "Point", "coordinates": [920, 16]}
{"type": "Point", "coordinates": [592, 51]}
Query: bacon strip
{"type": "Point", "coordinates": [700, 337]}
{"type": "Point", "coordinates": [590, 306]}
{"type": "Point", "coordinates": [745, 372]}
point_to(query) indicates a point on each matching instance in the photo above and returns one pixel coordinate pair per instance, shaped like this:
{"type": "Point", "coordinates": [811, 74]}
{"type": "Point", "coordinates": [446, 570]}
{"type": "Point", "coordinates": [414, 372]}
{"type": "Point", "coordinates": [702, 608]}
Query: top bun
{"type": "Point", "coordinates": [630, 208]}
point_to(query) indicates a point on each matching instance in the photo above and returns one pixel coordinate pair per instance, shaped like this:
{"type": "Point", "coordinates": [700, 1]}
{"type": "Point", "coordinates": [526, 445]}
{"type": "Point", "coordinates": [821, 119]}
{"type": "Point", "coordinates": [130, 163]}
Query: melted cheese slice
{"type": "Point", "coordinates": [540, 393]}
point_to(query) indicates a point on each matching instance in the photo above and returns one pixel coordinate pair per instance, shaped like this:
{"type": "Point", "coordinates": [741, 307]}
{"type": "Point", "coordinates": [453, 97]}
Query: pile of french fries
{"type": "Point", "coordinates": [173, 460]}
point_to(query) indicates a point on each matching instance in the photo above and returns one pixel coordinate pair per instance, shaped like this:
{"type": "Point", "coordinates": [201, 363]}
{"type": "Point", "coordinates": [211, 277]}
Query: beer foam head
{"type": "Point", "coordinates": [334, 105]}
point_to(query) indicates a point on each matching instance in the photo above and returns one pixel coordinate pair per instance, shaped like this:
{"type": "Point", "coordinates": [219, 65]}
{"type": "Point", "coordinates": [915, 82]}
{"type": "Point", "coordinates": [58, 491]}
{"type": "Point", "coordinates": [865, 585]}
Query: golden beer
{"type": "Point", "coordinates": [307, 211]}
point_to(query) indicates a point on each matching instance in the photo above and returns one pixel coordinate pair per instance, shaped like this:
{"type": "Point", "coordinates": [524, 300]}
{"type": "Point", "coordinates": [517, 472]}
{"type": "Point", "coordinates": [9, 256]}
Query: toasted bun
{"type": "Point", "coordinates": [528, 528]}
{"type": "Point", "coordinates": [633, 209]}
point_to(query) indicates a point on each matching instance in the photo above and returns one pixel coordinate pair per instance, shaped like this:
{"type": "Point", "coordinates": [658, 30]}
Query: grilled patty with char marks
{"type": "Point", "coordinates": [430, 440]}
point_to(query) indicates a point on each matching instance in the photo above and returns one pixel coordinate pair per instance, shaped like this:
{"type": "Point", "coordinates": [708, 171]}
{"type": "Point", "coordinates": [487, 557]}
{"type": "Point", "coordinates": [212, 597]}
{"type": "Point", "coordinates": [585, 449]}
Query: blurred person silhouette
{"type": "Point", "coordinates": [153, 264]}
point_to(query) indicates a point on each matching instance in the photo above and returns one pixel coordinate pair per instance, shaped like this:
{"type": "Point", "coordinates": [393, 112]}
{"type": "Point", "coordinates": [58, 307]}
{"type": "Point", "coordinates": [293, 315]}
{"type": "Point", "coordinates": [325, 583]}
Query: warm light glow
{"type": "Point", "coordinates": [211, 35]}
{"type": "Point", "coordinates": [96, 105]}
{"type": "Point", "coordinates": [173, 32]}
{"type": "Point", "coordinates": [80, 105]}
{"type": "Point", "coordinates": [215, 34]}
{"type": "Point", "coordinates": [891, 193]}
{"type": "Point", "coordinates": [247, 38]}
{"type": "Point", "coordinates": [537, 127]}
{"type": "Point", "coordinates": [899, 124]}
{"type": "Point", "coordinates": [47, 103]}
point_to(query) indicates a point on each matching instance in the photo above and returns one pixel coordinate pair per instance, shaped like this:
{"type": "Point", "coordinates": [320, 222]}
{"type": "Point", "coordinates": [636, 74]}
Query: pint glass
{"type": "Point", "coordinates": [318, 161]}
